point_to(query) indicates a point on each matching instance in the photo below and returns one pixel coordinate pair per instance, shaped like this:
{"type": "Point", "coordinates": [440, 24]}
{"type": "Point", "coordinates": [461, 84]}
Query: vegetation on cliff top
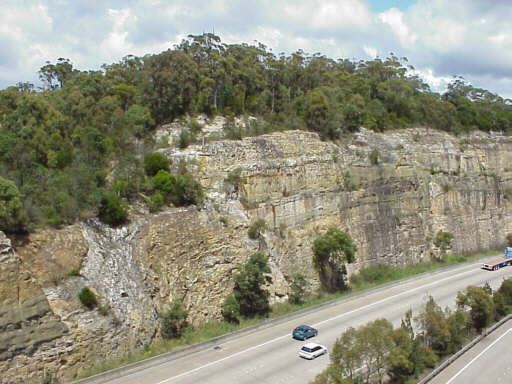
{"type": "Point", "coordinates": [79, 137]}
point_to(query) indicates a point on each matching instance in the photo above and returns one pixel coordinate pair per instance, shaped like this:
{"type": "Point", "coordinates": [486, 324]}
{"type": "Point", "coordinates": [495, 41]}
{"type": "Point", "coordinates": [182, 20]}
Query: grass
{"type": "Point", "coordinates": [368, 278]}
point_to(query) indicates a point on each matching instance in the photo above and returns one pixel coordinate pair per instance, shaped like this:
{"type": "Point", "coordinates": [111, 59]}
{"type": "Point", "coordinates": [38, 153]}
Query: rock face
{"type": "Point", "coordinates": [392, 192]}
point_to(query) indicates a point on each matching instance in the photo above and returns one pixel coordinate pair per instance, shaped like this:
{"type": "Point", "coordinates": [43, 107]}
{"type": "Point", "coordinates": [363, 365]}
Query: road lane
{"type": "Point", "coordinates": [270, 355]}
{"type": "Point", "coordinates": [487, 362]}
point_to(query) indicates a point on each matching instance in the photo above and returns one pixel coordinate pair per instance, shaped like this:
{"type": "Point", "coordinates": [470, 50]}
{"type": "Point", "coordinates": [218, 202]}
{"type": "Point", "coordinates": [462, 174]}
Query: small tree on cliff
{"type": "Point", "coordinates": [174, 321]}
{"type": "Point", "coordinates": [249, 297]}
{"type": "Point", "coordinates": [331, 251]}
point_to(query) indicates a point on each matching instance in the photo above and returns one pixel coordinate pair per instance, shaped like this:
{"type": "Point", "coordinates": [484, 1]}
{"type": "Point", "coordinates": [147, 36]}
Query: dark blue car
{"type": "Point", "coordinates": [303, 332]}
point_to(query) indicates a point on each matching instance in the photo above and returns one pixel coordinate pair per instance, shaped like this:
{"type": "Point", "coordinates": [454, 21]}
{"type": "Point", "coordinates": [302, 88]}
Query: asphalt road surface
{"type": "Point", "coordinates": [270, 355]}
{"type": "Point", "coordinates": [487, 362]}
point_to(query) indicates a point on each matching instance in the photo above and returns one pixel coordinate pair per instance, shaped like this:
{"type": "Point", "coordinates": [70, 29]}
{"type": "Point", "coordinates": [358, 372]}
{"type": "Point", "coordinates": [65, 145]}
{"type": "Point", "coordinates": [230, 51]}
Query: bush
{"type": "Point", "coordinates": [231, 309]}
{"type": "Point", "coordinates": [374, 157]}
{"type": "Point", "coordinates": [11, 206]}
{"type": "Point", "coordinates": [249, 290]}
{"type": "Point", "coordinates": [112, 210]}
{"type": "Point", "coordinates": [154, 162]}
{"type": "Point", "coordinates": [330, 253]}
{"type": "Point", "coordinates": [156, 201]}
{"type": "Point", "coordinates": [174, 321]}
{"type": "Point", "coordinates": [88, 298]}
{"type": "Point", "coordinates": [256, 228]}
{"type": "Point", "coordinates": [180, 189]}
{"type": "Point", "coordinates": [443, 240]}
{"type": "Point", "coordinates": [298, 289]}
{"type": "Point", "coordinates": [480, 304]}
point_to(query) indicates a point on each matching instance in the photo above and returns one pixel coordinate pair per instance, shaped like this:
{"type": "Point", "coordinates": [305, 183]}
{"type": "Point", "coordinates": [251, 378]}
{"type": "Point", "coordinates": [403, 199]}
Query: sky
{"type": "Point", "coordinates": [440, 38]}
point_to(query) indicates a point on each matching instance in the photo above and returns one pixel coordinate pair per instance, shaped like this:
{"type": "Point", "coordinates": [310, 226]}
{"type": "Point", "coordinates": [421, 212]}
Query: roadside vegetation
{"type": "Point", "coordinates": [306, 299]}
{"type": "Point", "coordinates": [378, 353]}
{"type": "Point", "coordinates": [68, 147]}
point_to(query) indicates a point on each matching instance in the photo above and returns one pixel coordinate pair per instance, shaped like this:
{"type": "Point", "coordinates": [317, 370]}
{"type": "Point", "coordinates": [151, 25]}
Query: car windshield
{"type": "Point", "coordinates": [301, 329]}
{"type": "Point", "coordinates": [306, 349]}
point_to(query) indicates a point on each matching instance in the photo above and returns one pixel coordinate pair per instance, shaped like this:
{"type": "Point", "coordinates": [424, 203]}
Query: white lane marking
{"type": "Point", "coordinates": [319, 323]}
{"type": "Point", "coordinates": [477, 356]}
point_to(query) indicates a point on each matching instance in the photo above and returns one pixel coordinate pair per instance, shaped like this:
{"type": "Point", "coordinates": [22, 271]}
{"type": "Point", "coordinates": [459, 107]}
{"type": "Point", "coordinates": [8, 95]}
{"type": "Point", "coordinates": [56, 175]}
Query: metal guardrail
{"type": "Point", "coordinates": [464, 349]}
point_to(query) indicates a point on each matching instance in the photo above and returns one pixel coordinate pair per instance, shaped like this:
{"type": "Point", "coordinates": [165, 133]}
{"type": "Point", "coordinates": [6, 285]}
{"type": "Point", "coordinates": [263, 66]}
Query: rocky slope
{"type": "Point", "coordinates": [422, 182]}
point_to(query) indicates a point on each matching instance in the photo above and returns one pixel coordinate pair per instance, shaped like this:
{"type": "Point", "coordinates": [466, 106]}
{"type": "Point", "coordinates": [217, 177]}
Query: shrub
{"type": "Point", "coordinates": [112, 210]}
{"type": "Point", "coordinates": [156, 201]}
{"type": "Point", "coordinates": [374, 157]}
{"type": "Point", "coordinates": [443, 240]}
{"type": "Point", "coordinates": [249, 290]}
{"type": "Point", "coordinates": [185, 139]}
{"type": "Point", "coordinates": [180, 189]}
{"type": "Point", "coordinates": [88, 298]}
{"type": "Point", "coordinates": [256, 228]}
{"type": "Point", "coordinates": [10, 206]}
{"type": "Point", "coordinates": [481, 306]}
{"type": "Point", "coordinates": [174, 321]}
{"type": "Point", "coordinates": [234, 178]}
{"type": "Point", "coordinates": [330, 253]}
{"type": "Point", "coordinates": [298, 286]}
{"type": "Point", "coordinates": [231, 309]}
{"type": "Point", "coordinates": [154, 162]}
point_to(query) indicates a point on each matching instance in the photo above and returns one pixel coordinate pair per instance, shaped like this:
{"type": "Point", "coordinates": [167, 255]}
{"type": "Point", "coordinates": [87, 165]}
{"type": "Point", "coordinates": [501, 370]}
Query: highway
{"type": "Point", "coordinates": [487, 362]}
{"type": "Point", "coordinates": [269, 355]}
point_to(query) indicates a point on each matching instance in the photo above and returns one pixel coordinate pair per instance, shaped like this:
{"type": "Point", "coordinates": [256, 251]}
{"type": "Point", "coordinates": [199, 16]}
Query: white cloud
{"type": "Point", "coordinates": [472, 38]}
{"type": "Point", "coordinates": [394, 18]}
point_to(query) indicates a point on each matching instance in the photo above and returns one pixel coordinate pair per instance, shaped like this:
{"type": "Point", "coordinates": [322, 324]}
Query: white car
{"type": "Point", "coordinates": [311, 350]}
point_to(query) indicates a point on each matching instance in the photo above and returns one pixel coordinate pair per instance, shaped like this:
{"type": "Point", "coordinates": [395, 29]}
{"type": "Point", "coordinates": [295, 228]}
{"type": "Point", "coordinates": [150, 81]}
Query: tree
{"type": "Point", "coordinates": [480, 304]}
{"type": "Point", "coordinates": [346, 354]}
{"type": "Point", "coordinates": [112, 210]}
{"type": "Point", "coordinates": [11, 206]}
{"type": "Point", "coordinates": [231, 309]}
{"type": "Point", "coordinates": [154, 162]}
{"type": "Point", "coordinates": [330, 253]}
{"type": "Point", "coordinates": [434, 327]}
{"type": "Point", "coordinates": [443, 240]}
{"type": "Point", "coordinates": [249, 290]}
{"type": "Point", "coordinates": [174, 321]}
{"type": "Point", "coordinates": [298, 289]}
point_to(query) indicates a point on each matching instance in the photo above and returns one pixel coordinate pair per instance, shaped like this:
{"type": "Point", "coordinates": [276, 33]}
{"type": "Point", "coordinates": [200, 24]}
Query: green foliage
{"type": "Point", "coordinates": [58, 145]}
{"type": "Point", "coordinates": [112, 210]}
{"type": "Point", "coordinates": [298, 289]}
{"type": "Point", "coordinates": [10, 206]}
{"type": "Point", "coordinates": [231, 309]}
{"type": "Point", "coordinates": [234, 179]}
{"type": "Point", "coordinates": [480, 304]}
{"type": "Point", "coordinates": [178, 189]}
{"type": "Point", "coordinates": [154, 162]}
{"type": "Point", "coordinates": [256, 229]}
{"type": "Point", "coordinates": [330, 253]}
{"type": "Point", "coordinates": [156, 202]}
{"type": "Point", "coordinates": [443, 240]}
{"type": "Point", "coordinates": [174, 321]}
{"type": "Point", "coordinates": [88, 297]}
{"type": "Point", "coordinates": [249, 291]}
{"type": "Point", "coordinates": [374, 157]}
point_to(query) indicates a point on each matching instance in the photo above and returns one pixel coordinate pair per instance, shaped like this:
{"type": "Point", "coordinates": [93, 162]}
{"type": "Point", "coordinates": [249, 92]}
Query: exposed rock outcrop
{"type": "Point", "coordinates": [416, 183]}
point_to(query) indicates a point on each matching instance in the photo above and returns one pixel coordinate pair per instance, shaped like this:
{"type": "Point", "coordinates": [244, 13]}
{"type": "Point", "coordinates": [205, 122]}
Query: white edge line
{"type": "Point", "coordinates": [169, 379]}
{"type": "Point", "coordinates": [477, 356]}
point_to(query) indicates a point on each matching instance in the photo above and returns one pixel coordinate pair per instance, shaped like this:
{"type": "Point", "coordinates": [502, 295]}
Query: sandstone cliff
{"type": "Point", "coordinates": [419, 182]}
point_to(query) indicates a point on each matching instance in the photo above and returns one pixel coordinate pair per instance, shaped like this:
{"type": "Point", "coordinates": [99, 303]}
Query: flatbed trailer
{"type": "Point", "coordinates": [494, 264]}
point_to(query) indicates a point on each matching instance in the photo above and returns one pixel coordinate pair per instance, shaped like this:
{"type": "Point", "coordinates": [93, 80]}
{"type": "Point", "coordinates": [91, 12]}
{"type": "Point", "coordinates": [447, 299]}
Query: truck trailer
{"type": "Point", "coordinates": [499, 262]}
